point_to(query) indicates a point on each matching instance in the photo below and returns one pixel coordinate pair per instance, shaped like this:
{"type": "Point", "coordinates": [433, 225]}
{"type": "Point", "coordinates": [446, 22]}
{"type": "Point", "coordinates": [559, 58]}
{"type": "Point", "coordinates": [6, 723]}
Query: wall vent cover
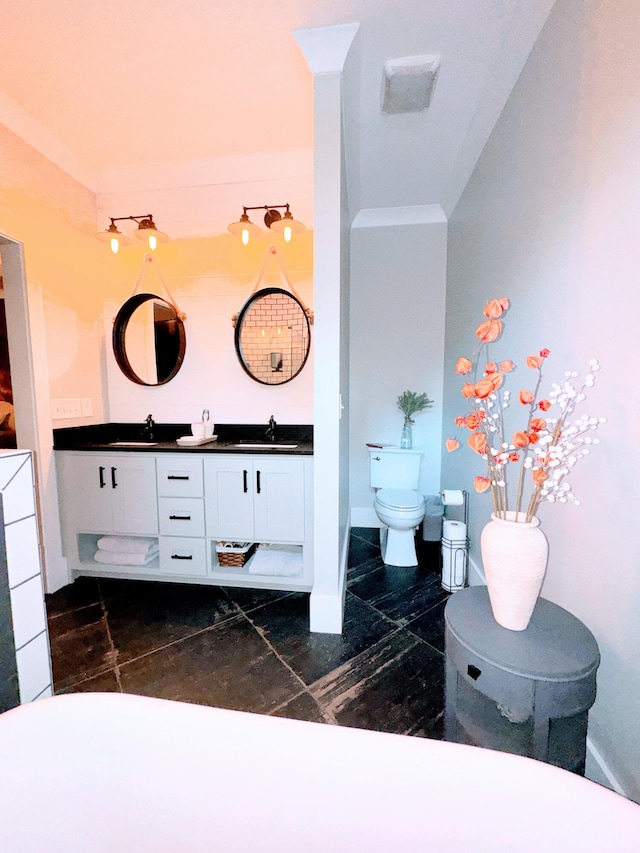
{"type": "Point", "coordinates": [408, 83]}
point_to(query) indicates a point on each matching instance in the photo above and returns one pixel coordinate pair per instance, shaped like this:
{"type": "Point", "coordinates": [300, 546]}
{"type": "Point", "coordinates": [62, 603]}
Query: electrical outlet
{"type": "Point", "coordinates": [87, 407]}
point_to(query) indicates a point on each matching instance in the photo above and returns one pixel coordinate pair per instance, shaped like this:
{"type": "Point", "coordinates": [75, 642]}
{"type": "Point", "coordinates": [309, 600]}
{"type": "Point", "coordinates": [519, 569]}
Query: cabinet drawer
{"type": "Point", "coordinates": [180, 476]}
{"type": "Point", "coordinates": [182, 556]}
{"type": "Point", "coordinates": [181, 516]}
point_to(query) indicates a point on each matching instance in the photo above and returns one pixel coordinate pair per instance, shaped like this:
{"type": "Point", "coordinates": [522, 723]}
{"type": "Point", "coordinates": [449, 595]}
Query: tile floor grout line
{"type": "Point", "coordinates": [181, 639]}
{"type": "Point", "coordinates": [112, 646]}
{"type": "Point", "coordinates": [270, 645]}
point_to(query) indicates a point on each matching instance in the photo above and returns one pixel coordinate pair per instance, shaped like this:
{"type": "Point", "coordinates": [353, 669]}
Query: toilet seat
{"type": "Point", "coordinates": [399, 499]}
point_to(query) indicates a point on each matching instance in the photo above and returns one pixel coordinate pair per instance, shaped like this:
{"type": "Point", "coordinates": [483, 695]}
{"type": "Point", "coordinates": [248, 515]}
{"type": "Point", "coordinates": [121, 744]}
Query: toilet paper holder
{"type": "Point", "coordinates": [455, 551]}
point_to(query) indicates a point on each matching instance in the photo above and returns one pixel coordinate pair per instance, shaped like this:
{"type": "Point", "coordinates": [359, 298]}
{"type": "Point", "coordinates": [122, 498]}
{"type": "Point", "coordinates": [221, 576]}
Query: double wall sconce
{"type": "Point", "coordinates": [146, 231]}
{"type": "Point", "coordinates": [273, 219]}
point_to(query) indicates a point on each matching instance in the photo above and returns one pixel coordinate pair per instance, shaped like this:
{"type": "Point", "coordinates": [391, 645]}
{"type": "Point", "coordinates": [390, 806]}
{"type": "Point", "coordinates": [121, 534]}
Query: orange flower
{"type": "Point", "coordinates": [526, 397]}
{"type": "Point", "coordinates": [534, 361]}
{"type": "Point", "coordinates": [506, 366]}
{"type": "Point", "coordinates": [520, 439]}
{"type": "Point", "coordinates": [481, 484]}
{"type": "Point", "coordinates": [513, 457]}
{"type": "Point", "coordinates": [468, 390]}
{"type": "Point", "coordinates": [495, 307]}
{"type": "Point", "coordinates": [539, 476]}
{"type": "Point", "coordinates": [537, 424]}
{"type": "Point", "coordinates": [545, 405]}
{"type": "Point", "coordinates": [451, 444]}
{"type": "Point", "coordinates": [484, 387]}
{"type": "Point", "coordinates": [463, 365]}
{"type": "Point", "coordinates": [490, 367]}
{"type": "Point", "coordinates": [533, 438]}
{"type": "Point", "coordinates": [473, 420]}
{"type": "Point", "coordinates": [477, 442]}
{"type": "Point", "coordinates": [489, 331]}
{"type": "Point", "coordinates": [460, 420]}
{"type": "Point", "coordinates": [496, 380]}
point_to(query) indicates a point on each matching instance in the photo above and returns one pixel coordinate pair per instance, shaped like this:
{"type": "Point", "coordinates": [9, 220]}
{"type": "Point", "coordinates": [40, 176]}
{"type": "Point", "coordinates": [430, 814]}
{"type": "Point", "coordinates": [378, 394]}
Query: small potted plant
{"type": "Point", "coordinates": [409, 404]}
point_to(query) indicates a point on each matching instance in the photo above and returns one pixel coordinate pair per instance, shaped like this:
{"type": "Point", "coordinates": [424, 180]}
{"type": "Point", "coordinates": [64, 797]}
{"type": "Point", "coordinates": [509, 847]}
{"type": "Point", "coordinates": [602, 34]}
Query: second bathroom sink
{"type": "Point", "coordinates": [264, 445]}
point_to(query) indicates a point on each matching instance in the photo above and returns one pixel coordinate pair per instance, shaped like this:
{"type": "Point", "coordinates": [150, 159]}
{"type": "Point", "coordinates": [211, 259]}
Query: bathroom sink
{"type": "Point", "coordinates": [132, 443]}
{"type": "Point", "coordinates": [265, 445]}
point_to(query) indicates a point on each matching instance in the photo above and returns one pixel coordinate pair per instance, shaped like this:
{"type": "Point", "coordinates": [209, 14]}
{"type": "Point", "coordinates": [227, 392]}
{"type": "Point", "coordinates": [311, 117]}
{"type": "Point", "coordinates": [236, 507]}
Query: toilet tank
{"type": "Point", "coordinates": [394, 468]}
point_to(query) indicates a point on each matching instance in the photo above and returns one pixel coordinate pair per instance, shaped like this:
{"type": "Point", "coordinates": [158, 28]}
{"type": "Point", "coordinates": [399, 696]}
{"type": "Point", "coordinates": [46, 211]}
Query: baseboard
{"type": "Point", "coordinates": [326, 612]}
{"type": "Point", "coordinates": [597, 770]}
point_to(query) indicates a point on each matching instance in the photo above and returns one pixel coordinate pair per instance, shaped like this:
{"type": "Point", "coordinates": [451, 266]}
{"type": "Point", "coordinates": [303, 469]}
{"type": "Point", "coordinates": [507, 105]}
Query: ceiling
{"type": "Point", "coordinates": [98, 86]}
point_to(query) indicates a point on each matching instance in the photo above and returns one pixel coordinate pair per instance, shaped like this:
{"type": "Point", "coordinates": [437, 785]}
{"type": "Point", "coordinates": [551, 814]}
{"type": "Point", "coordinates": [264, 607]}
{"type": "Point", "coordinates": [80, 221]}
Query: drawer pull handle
{"type": "Point", "coordinates": [177, 476]}
{"type": "Point", "coordinates": [114, 484]}
{"type": "Point", "coordinates": [182, 557]}
{"type": "Point", "coordinates": [180, 518]}
{"type": "Point", "coordinates": [244, 481]}
{"type": "Point", "coordinates": [102, 483]}
{"type": "Point", "coordinates": [473, 672]}
{"type": "Point", "coordinates": [258, 481]}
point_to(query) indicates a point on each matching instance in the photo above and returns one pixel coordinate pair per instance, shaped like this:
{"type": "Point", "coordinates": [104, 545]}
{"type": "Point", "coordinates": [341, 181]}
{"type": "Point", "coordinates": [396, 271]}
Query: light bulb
{"type": "Point", "coordinates": [115, 245]}
{"type": "Point", "coordinates": [287, 233]}
{"type": "Point", "coordinates": [245, 236]}
{"type": "Point", "coordinates": [153, 242]}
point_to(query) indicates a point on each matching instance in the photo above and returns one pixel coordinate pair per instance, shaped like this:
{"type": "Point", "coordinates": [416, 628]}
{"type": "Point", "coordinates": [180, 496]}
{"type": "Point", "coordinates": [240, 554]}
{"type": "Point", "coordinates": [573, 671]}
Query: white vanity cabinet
{"type": "Point", "coordinates": [255, 498]}
{"type": "Point", "coordinates": [106, 494]}
{"type": "Point", "coordinates": [181, 515]}
{"type": "Point", "coordinates": [110, 493]}
{"type": "Point", "coordinates": [191, 504]}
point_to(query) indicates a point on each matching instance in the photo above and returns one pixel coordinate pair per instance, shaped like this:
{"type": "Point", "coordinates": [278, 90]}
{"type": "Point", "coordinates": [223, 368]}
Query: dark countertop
{"type": "Point", "coordinates": [101, 438]}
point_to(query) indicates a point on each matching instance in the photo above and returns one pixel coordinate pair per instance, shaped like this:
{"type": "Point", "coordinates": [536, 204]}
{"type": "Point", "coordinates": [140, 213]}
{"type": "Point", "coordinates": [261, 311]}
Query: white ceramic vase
{"type": "Point", "coordinates": [514, 555]}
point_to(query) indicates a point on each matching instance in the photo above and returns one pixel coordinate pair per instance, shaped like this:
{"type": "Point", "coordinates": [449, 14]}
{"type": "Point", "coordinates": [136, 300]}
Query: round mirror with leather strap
{"type": "Point", "coordinates": [149, 340]}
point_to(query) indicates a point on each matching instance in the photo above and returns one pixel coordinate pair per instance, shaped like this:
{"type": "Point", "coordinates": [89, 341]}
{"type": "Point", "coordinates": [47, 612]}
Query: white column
{"type": "Point", "coordinates": [326, 50]}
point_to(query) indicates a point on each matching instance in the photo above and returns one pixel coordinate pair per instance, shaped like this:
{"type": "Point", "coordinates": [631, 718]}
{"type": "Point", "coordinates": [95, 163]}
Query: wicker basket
{"type": "Point", "coordinates": [234, 553]}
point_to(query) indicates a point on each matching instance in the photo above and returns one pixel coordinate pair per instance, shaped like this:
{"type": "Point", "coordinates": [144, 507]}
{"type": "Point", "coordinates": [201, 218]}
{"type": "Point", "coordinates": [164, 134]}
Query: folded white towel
{"type": "Point", "coordinates": [117, 558]}
{"type": "Point", "coordinates": [127, 544]}
{"type": "Point", "coordinates": [278, 560]}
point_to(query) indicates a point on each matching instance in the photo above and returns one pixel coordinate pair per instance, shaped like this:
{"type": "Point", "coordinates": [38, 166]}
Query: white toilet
{"type": "Point", "coordinates": [400, 508]}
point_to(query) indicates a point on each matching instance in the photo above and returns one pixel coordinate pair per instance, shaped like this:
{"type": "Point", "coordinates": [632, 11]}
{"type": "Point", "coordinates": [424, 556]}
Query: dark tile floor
{"type": "Point", "coordinates": [251, 650]}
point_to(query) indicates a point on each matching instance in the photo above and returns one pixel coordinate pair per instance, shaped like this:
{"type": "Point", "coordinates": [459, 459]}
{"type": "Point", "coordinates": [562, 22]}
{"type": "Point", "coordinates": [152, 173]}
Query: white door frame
{"type": "Point", "coordinates": [31, 397]}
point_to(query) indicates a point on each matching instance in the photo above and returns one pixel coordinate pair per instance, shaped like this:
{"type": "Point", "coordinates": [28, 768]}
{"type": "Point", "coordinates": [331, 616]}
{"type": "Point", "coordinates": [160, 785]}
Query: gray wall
{"type": "Point", "coordinates": [398, 280]}
{"type": "Point", "coordinates": [550, 219]}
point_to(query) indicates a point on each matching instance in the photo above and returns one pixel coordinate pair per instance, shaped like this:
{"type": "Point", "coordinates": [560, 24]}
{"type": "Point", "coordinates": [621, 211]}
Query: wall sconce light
{"type": "Point", "coordinates": [273, 219]}
{"type": "Point", "coordinates": [145, 231]}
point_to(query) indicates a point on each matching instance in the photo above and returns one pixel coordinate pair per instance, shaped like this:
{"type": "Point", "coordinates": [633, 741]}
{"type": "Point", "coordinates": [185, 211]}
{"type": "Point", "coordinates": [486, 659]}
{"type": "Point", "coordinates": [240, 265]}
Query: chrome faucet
{"type": "Point", "coordinates": [147, 430]}
{"type": "Point", "coordinates": [271, 430]}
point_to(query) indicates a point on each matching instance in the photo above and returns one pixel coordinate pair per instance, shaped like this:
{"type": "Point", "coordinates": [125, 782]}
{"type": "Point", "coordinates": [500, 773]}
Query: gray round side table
{"type": "Point", "coordinates": [526, 692]}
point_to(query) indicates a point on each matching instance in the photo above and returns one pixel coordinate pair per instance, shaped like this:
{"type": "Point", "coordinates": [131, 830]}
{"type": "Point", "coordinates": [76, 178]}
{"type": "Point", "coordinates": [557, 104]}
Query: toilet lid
{"type": "Point", "coordinates": [400, 499]}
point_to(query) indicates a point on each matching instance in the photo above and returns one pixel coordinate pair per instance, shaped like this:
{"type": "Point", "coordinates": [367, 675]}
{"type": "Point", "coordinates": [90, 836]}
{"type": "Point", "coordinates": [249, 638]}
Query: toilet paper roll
{"type": "Point", "coordinates": [454, 531]}
{"type": "Point", "coordinates": [452, 497]}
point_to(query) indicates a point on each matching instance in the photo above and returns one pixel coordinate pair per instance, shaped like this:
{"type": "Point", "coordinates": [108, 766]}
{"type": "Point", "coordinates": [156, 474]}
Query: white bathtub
{"type": "Point", "coordinates": [112, 772]}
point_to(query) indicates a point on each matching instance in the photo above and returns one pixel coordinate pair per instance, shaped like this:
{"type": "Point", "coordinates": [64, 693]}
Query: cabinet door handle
{"type": "Point", "coordinates": [101, 470]}
{"type": "Point", "coordinates": [177, 476]}
{"type": "Point", "coordinates": [182, 557]}
{"type": "Point", "coordinates": [258, 482]}
{"type": "Point", "coordinates": [114, 484]}
{"type": "Point", "coordinates": [180, 518]}
{"type": "Point", "coordinates": [244, 481]}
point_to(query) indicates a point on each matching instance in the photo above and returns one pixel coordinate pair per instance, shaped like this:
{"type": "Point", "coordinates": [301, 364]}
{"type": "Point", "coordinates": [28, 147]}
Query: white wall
{"type": "Point", "coordinates": [398, 275]}
{"type": "Point", "coordinates": [211, 375]}
{"type": "Point", "coordinates": [550, 220]}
